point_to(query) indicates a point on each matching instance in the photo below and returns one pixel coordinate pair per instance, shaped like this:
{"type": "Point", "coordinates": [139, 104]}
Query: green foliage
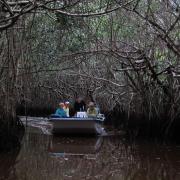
{"type": "Point", "coordinates": [160, 55]}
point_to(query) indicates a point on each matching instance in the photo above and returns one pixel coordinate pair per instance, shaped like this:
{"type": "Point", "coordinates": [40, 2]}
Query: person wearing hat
{"type": "Point", "coordinates": [66, 108]}
{"type": "Point", "coordinates": [60, 112]}
{"type": "Point", "coordinates": [92, 111]}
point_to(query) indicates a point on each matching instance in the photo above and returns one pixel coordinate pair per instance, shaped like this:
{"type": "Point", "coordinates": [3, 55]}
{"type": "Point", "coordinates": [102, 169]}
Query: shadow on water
{"type": "Point", "coordinates": [45, 157]}
{"type": "Point", "coordinates": [7, 164]}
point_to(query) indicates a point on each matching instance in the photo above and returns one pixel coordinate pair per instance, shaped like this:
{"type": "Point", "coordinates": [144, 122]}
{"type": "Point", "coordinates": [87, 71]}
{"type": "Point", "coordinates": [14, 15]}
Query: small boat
{"type": "Point", "coordinates": [78, 125]}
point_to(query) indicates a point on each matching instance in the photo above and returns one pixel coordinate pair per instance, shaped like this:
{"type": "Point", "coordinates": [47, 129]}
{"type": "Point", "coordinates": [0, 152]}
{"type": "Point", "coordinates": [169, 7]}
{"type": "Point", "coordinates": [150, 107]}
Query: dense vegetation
{"type": "Point", "coordinates": [123, 54]}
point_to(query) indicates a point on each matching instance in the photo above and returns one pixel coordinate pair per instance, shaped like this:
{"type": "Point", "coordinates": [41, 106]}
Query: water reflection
{"type": "Point", "coordinates": [44, 157]}
{"type": "Point", "coordinates": [7, 164]}
{"type": "Point", "coordinates": [60, 146]}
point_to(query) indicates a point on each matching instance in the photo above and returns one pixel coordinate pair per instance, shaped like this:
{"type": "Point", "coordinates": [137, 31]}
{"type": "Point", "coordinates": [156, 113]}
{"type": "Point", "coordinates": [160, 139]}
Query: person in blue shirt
{"type": "Point", "coordinates": [60, 112]}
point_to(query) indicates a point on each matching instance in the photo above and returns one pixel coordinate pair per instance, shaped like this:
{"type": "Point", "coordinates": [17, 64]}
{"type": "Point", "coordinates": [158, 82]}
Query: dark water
{"type": "Point", "coordinates": [44, 157]}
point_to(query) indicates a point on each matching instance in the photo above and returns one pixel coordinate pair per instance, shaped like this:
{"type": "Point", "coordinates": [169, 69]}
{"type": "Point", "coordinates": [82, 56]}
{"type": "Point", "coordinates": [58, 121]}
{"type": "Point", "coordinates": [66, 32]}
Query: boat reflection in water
{"type": "Point", "coordinates": [46, 157]}
{"type": "Point", "coordinates": [62, 147]}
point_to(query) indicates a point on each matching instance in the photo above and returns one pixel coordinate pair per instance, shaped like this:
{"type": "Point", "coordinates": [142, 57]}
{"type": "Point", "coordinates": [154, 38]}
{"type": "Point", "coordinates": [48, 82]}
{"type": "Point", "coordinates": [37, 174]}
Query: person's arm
{"type": "Point", "coordinates": [57, 112]}
{"type": "Point", "coordinates": [64, 114]}
{"type": "Point", "coordinates": [88, 111]}
{"type": "Point", "coordinates": [84, 105]}
{"type": "Point", "coordinates": [96, 111]}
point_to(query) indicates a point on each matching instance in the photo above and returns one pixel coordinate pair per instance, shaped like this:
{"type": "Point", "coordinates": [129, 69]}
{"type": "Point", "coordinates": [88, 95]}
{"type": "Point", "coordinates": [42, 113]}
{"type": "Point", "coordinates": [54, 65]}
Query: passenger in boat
{"type": "Point", "coordinates": [92, 111]}
{"type": "Point", "coordinates": [66, 108]}
{"type": "Point", "coordinates": [60, 112]}
{"type": "Point", "coordinates": [79, 105]}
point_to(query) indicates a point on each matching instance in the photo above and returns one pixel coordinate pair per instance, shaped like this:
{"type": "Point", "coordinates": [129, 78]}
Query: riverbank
{"type": "Point", "coordinates": [139, 126]}
{"type": "Point", "coordinates": [135, 125]}
{"type": "Point", "coordinates": [11, 135]}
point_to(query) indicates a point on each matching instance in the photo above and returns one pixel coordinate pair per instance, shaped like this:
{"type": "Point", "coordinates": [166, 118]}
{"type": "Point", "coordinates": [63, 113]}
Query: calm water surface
{"type": "Point", "coordinates": [44, 157]}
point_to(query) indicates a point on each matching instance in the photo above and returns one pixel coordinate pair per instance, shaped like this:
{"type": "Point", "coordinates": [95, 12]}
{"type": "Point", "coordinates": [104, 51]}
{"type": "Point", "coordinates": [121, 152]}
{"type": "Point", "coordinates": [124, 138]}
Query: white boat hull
{"type": "Point", "coordinates": [76, 125]}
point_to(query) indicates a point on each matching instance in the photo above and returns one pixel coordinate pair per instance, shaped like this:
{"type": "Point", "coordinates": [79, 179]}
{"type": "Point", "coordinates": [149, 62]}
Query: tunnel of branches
{"type": "Point", "coordinates": [122, 54]}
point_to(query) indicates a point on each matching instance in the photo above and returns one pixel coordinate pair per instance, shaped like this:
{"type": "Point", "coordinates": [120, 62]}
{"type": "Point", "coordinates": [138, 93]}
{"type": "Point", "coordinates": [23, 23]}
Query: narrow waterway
{"type": "Point", "coordinates": [45, 157]}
